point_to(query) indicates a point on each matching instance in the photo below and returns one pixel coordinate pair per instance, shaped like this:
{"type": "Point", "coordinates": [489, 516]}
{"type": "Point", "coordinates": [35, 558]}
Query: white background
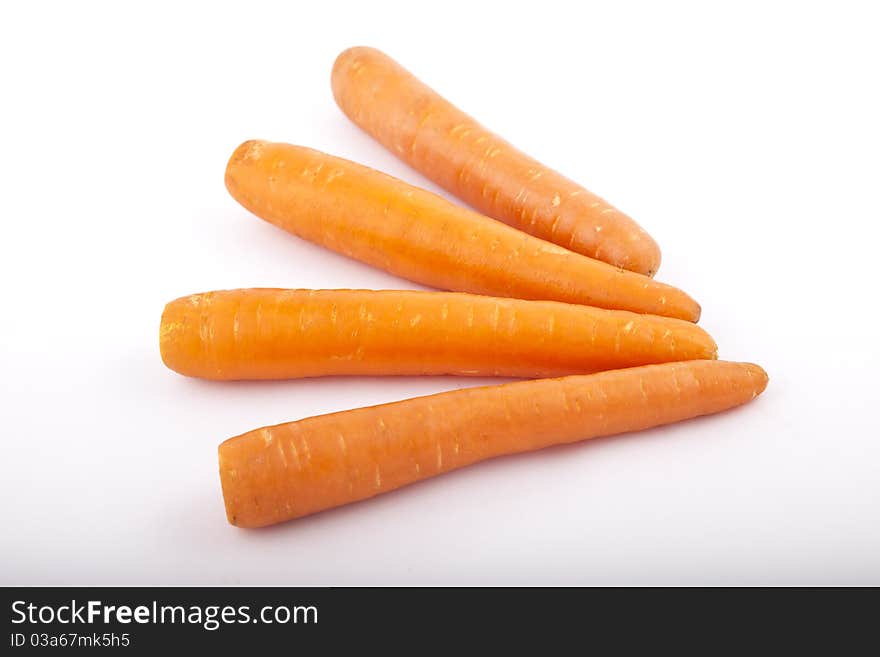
{"type": "Point", "coordinates": [744, 138]}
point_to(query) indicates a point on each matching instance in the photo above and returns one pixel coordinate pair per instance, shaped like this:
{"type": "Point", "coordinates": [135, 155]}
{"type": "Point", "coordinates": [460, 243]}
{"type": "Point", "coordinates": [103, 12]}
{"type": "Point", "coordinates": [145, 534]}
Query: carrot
{"type": "Point", "coordinates": [433, 136]}
{"type": "Point", "coordinates": [418, 235]}
{"type": "Point", "coordinates": [278, 473]}
{"type": "Point", "coordinates": [274, 334]}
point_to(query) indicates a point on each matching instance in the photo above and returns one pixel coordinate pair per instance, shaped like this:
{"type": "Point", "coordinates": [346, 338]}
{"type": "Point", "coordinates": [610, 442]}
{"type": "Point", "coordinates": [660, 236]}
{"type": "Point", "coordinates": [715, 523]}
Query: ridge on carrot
{"type": "Point", "coordinates": [410, 232]}
{"type": "Point", "coordinates": [273, 334]}
{"type": "Point", "coordinates": [290, 470]}
{"type": "Point", "coordinates": [436, 138]}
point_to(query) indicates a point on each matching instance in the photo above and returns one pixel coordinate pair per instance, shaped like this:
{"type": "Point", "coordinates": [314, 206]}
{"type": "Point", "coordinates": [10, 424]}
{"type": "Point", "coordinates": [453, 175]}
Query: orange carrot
{"type": "Point", "coordinates": [433, 136]}
{"type": "Point", "coordinates": [274, 334]}
{"type": "Point", "coordinates": [278, 473]}
{"type": "Point", "coordinates": [418, 235]}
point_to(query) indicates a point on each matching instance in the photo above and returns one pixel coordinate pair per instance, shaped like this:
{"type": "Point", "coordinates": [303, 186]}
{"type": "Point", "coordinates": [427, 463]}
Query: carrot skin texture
{"type": "Point", "coordinates": [279, 473]}
{"type": "Point", "coordinates": [410, 232]}
{"type": "Point", "coordinates": [436, 138]}
{"type": "Point", "coordinates": [278, 334]}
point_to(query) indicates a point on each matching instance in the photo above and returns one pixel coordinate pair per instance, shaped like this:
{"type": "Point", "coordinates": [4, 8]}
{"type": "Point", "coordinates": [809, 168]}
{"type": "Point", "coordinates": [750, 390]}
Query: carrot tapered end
{"type": "Point", "coordinates": [172, 334]}
{"type": "Point", "coordinates": [758, 377]}
{"type": "Point", "coordinates": [252, 149]}
{"type": "Point", "coordinates": [226, 484]}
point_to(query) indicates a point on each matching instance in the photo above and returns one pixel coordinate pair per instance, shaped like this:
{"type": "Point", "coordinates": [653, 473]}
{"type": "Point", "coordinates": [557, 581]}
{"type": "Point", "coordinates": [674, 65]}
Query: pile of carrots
{"type": "Point", "coordinates": [546, 282]}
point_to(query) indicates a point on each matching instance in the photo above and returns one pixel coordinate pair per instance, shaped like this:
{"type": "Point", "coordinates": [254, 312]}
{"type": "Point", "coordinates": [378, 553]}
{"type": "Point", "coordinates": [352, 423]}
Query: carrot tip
{"type": "Point", "coordinates": [231, 516]}
{"type": "Point", "coordinates": [351, 52]}
{"type": "Point", "coordinates": [759, 375]}
{"type": "Point", "coordinates": [249, 150]}
{"type": "Point", "coordinates": [168, 331]}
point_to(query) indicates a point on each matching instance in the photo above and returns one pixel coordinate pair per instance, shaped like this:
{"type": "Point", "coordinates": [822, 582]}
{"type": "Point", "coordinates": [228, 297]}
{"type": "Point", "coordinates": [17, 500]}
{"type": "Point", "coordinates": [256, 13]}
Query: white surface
{"type": "Point", "coordinates": [744, 139]}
